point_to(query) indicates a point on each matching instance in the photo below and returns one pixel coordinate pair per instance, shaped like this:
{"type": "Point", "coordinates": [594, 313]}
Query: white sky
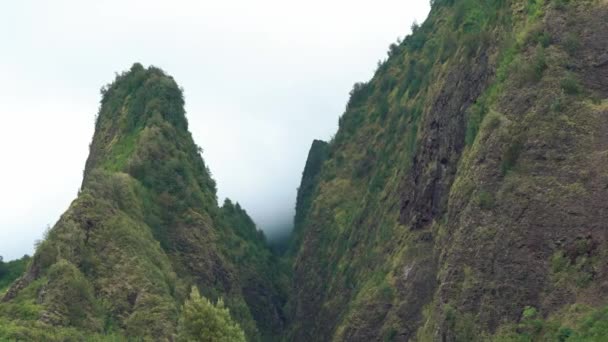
{"type": "Point", "coordinates": [262, 79]}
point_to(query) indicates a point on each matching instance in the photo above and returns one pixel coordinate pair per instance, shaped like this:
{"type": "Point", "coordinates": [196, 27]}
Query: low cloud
{"type": "Point", "coordinates": [262, 79]}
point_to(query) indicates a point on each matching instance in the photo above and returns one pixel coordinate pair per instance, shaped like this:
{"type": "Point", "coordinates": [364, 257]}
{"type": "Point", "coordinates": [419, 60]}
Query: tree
{"type": "Point", "coordinates": [202, 321]}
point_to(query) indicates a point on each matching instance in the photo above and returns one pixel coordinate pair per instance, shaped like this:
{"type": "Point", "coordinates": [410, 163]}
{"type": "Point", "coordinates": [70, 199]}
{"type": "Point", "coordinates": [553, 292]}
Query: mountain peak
{"type": "Point", "coordinates": [140, 94]}
{"type": "Point", "coordinates": [140, 101]}
{"type": "Point", "coordinates": [144, 228]}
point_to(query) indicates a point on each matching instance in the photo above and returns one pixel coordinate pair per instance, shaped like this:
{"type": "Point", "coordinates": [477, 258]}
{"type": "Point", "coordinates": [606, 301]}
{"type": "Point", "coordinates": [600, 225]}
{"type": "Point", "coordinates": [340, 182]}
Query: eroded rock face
{"type": "Point", "coordinates": [540, 242]}
{"type": "Point", "coordinates": [442, 138]}
{"type": "Point", "coordinates": [495, 203]}
{"type": "Point", "coordinates": [418, 196]}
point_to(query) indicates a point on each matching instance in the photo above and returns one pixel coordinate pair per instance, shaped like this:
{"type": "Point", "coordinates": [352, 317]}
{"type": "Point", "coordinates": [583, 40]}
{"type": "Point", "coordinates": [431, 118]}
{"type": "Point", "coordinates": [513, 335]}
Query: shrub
{"type": "Point", "coordinates": [475, 115]}
{"type": "Point", "coordinates": [543, 38]}
{"type": "Point", "coordinates": [557, 105]}
{"type": "Point", "coordinates": [559, 262]}
{"type": "Point", "coordinates": [570, 85]}
{"type": "Point", "coordinates": [70, 296]}
{"type": "Point", "coordinates": [530, 71]}
{"type": "Point", "coordinates": [449, 46]}
{"type": "Point", "coordinates": [529, 312]}
{"type": "Point", "coordinates": [203, 321]}
{"type": "Point", "coordinates": [510, 157]}
{"type": "Point", "coordinates": [391, 335]}
{"type": "Point", "coordinates": [530, 325]}
{"type": "Point", "coordinates": [564, 333]}
{"type": "Point", "coordinates": [561, 4]}
{"type": "Point", "coordinates": [486, 200]}
{"type": "Point", "coordinates": [571, 43]}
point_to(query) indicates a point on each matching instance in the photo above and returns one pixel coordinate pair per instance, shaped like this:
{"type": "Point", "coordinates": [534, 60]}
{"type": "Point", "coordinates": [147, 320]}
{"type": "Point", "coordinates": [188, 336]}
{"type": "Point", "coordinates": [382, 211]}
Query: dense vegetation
{"type": "Point", "coordinates": [10, 271]}
{"type": "Point", "coordinates": [203, 321]}
{"type": "Point", "coordinates": [464, 183]}
{"type": "Point", "coordinates": [145, 227]}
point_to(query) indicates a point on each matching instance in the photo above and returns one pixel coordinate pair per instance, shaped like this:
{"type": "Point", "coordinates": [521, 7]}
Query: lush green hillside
{"type": "Point", "coordinates": [145, 227]}
{"type": "Point", "coordinates": [466, 183]}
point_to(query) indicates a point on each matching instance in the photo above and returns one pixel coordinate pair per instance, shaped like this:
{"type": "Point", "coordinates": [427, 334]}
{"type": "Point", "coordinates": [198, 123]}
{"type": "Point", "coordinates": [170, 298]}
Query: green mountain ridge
{"type": "Point", "coordinates": [463, 198]}
{"type": "Point", "coordinates": [145, 227]}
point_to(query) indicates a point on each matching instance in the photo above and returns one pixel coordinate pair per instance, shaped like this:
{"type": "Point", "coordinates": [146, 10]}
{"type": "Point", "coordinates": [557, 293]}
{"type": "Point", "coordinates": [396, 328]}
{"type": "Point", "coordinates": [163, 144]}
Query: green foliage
{"type": "Point", "coordinates": [391, 335]}
{"type": "Point", "coordinates": [10, 271]}
{"type": "Point", "coordinates": [564, 334]}
{"type": "Point", "coordinates": [25, 306]}
{"type": "Point", "coordinates": [561, 4]}
{"type": "Point", "coordinates": [529, 313]}
{"type": "Point", "coordinates": [258, 268]}
{"type": "Point", "coordinates": [237, 218]}
{"type": "Point", "coordinates": [570, 85]}
{"type": "Point", "coordinates": [574, 325]}
{"type": "Point", "coordinates": [449, 46]}
{"type": "Point", "coordinates": [594, 327]}
{"type": "Point", "coordinates": [511, 155]}
{"type": "Point", "coordinates": [557, 104]}
{"type": "Point", "coordinates": [359, 94]}
{"type": "Point", "coordinates": [70, 298]}
{"type": "Point", "coordinates": [538, 63]}
{"type": "Point", "coordinates": [542, 38]}
{"type": "Point", "coordinates": [38, 331]}
{"type": "Point", "coordinates": [203, 321]}
{"type": "Point", "coordinates": [145, 226]}
{"type": "Point", "coordinates": [531, 324]}
{"type": "Point", "coordinates": [462, 326]}
{"type": "Point", "coordinates": [475, 115]}
{"type": "Point", "coordinates": [531, 71]}
{"type": "Point", "coordinates": [559, 262]}
{"type": "Point", "coordinates": [317, 155]}
{"type": "Point", "coordinates": [578, 271]}
{"type": "Point", "coordinates": [486, 200]}
{"type": "Point", "coordinates": [571, 43]}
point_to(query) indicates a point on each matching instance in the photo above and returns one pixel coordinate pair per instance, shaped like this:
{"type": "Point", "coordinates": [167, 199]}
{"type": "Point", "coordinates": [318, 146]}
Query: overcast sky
{"type": "Point", "coordinates": [262, 79]}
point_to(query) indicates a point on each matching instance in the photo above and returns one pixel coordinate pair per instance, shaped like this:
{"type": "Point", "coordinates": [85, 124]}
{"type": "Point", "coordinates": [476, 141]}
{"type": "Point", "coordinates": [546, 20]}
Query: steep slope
{"type": "Point", "coordinates": [310, 178]}
{"type": "Point", "coordinates": [464, 194]}
{"type": "Point", "coordinates": [145, 227]}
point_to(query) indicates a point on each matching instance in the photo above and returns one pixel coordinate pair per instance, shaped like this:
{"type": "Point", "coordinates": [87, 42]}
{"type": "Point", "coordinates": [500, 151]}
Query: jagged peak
{"type": "Point", "coordinates": [140, 94]}
{"type": "Point", "coordinates": [137, 98]}
{"type": "Point", "coordinates": [141, 129]}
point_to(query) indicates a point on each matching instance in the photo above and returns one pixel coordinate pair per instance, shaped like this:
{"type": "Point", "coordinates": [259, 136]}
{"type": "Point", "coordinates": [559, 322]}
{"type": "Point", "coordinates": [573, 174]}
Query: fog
{"type": "Point", "coordinates": [262, 79]}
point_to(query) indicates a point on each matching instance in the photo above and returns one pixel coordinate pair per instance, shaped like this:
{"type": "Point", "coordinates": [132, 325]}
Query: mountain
{"type": "Point", "coordinates": [464, 195]}
{"type": "Point", "coordinates": [145, 227]}
{"type": "Point", "coordinates": [463, 198]}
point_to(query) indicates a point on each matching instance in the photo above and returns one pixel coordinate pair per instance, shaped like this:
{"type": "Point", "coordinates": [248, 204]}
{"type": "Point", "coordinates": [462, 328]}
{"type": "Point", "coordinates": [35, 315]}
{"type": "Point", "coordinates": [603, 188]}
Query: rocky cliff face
{"type": "Point", "coordinates": [145, 227]}
{"type": "Point", "coordinates": [464, 194]}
